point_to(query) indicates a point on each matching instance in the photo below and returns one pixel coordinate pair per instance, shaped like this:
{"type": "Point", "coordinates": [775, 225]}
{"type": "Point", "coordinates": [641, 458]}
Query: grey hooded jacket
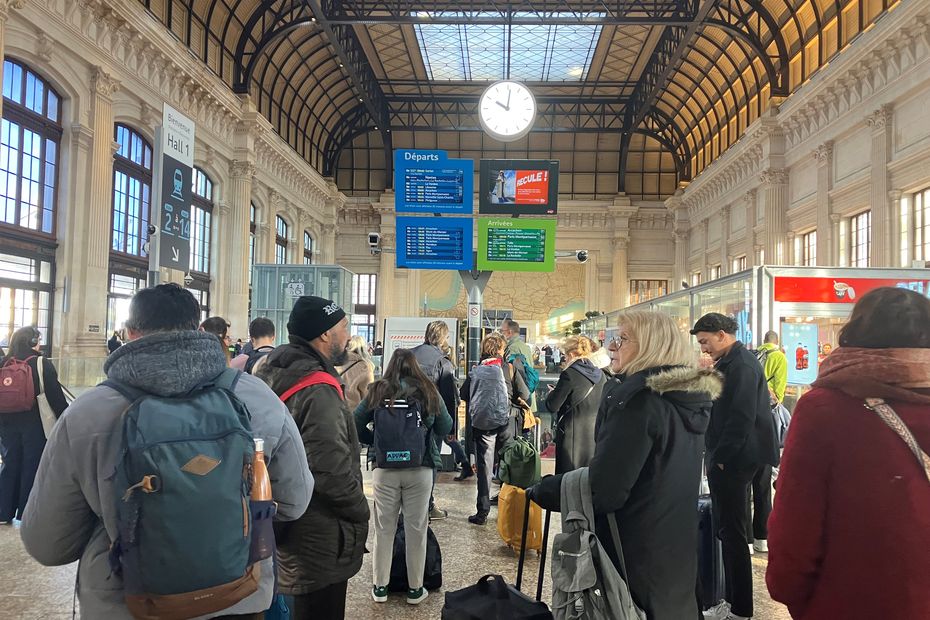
{"type": "Point", "coordinates": [71, 514]}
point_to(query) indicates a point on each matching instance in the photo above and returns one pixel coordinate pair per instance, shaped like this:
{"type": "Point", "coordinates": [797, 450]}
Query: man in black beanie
{"type": "Point", "coordinates": [322, 550]}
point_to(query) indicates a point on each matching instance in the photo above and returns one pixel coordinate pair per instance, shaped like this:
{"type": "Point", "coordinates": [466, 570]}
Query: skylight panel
{"type": "Point", "coordinates": [478, 51]}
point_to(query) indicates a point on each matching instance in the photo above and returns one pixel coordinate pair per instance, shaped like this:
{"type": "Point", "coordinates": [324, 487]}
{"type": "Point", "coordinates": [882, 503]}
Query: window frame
{"type": "Point", "coordinates": [205, 205]}
{"type": "Point", "coordinates": [855, 241]}
{"type": "Point", "coordinates": [643, 290]}
{"type": "Point", "coordinates": [280, 241]}
{"type": "Point", "coordinates": [809, 248]}
{"type": "Point", "coordinates": [47, 129]}
{"type": "Point", "coordinates": [138, 172]}
{"type": "Point", "coordinates": [308, 248]}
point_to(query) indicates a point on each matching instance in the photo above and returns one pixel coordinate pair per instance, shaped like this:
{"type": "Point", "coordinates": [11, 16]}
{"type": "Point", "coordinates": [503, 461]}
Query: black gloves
{"type": "Point", "coordinates": [547, 493]}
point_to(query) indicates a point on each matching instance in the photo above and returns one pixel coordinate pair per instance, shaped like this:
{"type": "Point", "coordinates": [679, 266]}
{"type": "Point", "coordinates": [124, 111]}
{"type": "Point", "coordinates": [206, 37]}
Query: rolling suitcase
{"type": "Point", "coordinates": [493, 599]}
{"type": "Point", "coordinates": [515, 515]}
{"type": "Point", "coordinates": [711, 585]}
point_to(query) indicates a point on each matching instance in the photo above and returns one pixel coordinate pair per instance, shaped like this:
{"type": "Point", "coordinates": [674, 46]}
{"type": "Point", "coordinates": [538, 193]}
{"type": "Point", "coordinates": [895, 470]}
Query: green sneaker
{"type": "Point", "coordinates": [379, 594]}
{"type": "Point", "coordinates": [415, 597]}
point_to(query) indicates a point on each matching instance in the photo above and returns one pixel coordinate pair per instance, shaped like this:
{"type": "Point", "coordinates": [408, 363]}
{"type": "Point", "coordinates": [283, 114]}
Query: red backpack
{"type": "Point", "coordinates": [17, 389]}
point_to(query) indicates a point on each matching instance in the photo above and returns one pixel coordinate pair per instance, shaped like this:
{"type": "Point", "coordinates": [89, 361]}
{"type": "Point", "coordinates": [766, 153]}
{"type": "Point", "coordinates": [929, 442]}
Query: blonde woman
{"type": "Point", "coordinates": [646, 467]}
{"type": "Point", "coordinates": [358, 372]}
{"type": "Point", "coordinates": [574, 400]}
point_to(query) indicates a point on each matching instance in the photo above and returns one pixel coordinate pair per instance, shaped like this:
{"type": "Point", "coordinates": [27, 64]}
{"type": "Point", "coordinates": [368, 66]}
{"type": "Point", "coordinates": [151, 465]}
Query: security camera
{"type": "Point", "coordinates": [151, 229]}
{"type": "Point", "coordinates": [188, 279]}
{"type": "Point", "coordinates": [582, 256]}
{"type": "Point", "coordinates": [374, 239]}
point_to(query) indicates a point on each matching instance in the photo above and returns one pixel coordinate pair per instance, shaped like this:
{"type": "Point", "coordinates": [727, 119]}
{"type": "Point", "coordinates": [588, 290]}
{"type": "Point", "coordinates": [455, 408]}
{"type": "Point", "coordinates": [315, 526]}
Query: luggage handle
{"type": "Point", "coordinates": [542, 556]}
{"type": "Point", "coordinates": [496, 583]}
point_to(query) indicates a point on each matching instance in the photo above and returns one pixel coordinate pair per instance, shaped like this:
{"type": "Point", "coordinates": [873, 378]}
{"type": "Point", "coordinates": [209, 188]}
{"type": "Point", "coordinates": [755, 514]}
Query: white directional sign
{"type": "Point", "coordinates": [174, 213]}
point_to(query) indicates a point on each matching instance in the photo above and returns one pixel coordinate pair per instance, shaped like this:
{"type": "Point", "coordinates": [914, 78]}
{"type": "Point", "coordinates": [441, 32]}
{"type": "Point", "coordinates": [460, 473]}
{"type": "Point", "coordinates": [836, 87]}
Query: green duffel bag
{"type": "Point", "coordinates": [519, 463]}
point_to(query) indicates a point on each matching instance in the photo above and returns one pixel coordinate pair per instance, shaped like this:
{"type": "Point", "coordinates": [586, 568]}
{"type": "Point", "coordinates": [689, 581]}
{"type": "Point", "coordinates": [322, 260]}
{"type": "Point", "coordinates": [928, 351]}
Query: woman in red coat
{"type": "Point", "coordinates": [849, 535]}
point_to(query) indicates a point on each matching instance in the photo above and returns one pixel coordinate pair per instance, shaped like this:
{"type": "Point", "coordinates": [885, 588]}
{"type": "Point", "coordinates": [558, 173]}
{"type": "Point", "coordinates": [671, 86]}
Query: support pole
{"type": "Point", "coordinates": [474, 282]}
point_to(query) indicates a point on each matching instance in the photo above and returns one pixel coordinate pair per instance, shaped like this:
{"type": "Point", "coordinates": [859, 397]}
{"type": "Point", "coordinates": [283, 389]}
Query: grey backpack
{"type": "Point", "coordinates": [488, 402]}
{"type": "Point", "coordinates": [585, 583]}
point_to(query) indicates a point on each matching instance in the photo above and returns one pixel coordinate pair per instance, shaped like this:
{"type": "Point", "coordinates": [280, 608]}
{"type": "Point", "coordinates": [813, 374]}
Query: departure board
{"type": "Point", "coordinates": [434, 242]}
{"type": "Point", "coordinates": [516, 244]}
{"type": "Point", "coordinates": [430, 182]}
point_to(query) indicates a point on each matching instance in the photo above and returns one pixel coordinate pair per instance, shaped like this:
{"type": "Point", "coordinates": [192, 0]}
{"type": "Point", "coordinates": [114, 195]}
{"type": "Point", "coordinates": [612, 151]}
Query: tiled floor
{"type": "Point", "coordinates": [32, 592]}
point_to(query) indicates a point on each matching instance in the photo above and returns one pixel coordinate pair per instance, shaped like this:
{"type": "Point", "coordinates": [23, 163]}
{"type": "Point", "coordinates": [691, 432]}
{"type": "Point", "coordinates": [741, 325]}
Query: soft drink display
{"type": "Point", "coordinates": [799, 357]}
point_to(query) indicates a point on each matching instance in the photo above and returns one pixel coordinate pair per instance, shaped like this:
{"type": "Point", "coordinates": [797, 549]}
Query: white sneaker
{"type": "Point", "coordinates": [752, 550]}
{"type": "Point", "coordinates": [720, 611]}
{"type": "Point", "coordinates": [762, 546]}
{"type": "Point", "coordinates": [735, 617]}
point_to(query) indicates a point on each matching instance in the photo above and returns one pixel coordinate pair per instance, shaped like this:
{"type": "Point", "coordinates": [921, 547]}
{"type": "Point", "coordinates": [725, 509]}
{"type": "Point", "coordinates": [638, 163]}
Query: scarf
{"type": "Point", "coordinates": [891, 374]}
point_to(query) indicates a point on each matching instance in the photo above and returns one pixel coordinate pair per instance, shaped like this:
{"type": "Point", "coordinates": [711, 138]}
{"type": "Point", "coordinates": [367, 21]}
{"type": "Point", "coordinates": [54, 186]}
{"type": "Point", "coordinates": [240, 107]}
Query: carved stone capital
{"type": "Point", "coordinates": [114, 147]}
{"type": "Point", "coordinates": [895, 194]}
{"type": "Point", "coordinates": [774, 176]}
{"type": "Point", "coordinates": [276, 199]}
{"type": "Point", "coordinates": [824, 153]}
{"type": "Point", "coordinates": [880, 118]}
{"type": "Point", "coordinates": [750, 197]}
{"type": "Point", "coordinates": [621, 243]}
{"type": "Point", "coordinates": [82, 135]}
{"type": "Point", "coordinates": [835, 218]}
{"type": "Point", "coordinates": [44, 46]}
{"type": "Point", "coordinates": [241, 169]}
{"type": "Point", "coordinates": [330, 229]}
{"type": "Point", "coordinates": [7, 5]}
{"type": "Point", "coordinates": [263, 228]}
{"type": "Point", "coordinates": [104, 83]}
{"type": "Point", "coordinates": [223, 209]}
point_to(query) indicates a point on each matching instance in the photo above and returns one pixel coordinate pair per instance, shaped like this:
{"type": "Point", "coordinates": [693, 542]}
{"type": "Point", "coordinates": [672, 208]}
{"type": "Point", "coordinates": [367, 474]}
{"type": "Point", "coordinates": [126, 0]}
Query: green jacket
{"type": "Point", "coordinates": [439, 424]}
{"type": "Point", "coordinates": [515, 345]}
{"type": "Point", "coordinates": [776, 370]}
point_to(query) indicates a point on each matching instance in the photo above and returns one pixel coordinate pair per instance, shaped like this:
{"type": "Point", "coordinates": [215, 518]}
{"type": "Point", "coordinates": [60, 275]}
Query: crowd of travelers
{"type": "Point", "coordinates": [154, 479]}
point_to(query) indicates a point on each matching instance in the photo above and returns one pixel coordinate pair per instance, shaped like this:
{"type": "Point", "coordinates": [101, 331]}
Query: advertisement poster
{"type": "Point", "coordinates": [838, 290]}
{"type": "Point", "coordinates": [522, 187]}
{"type": "Point", "coordinates": [518, 187]}
{"type": "Point", "coordinates": [409, 332]}
{"type": "Point", "coordinates": [800, 342]}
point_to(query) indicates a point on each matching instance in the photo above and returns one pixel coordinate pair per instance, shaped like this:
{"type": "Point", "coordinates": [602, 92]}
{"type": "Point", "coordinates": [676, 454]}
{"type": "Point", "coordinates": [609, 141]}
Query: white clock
{"type": "Point", "coordinates": [507, 110]}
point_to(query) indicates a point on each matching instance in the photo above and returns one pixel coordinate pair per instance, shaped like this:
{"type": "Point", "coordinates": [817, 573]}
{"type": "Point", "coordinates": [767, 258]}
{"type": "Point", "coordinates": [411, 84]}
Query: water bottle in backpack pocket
{"type": "Point", "coordinates": [182, 488]}
{"type": "Point", "coordinates": [400, 435]}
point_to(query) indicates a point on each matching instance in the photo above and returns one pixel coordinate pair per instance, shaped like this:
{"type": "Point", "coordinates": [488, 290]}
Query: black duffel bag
{"type": "Point", "coordinates": [432, 570]}
{"type": "Point", "coordinates": [493, 599]}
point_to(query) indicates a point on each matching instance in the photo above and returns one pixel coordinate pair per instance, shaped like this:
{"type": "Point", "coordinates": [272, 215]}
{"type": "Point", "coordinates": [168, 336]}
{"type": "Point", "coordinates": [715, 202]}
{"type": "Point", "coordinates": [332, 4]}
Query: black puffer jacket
{"type": "Point", "coordinates": [647, 471]}
{"type": "Point", "coordinates": [575, 401]}
{"type": "Point", "coordinates": [326, 544]}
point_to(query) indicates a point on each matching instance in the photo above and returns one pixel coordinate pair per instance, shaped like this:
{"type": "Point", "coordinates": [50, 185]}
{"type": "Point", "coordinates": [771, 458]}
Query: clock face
{"type": "Point", "coordinates": [507, 110]}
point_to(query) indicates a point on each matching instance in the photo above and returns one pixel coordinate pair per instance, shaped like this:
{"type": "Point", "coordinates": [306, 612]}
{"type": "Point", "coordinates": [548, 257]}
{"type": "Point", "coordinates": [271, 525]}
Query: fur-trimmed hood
{"type": "Point", "coordinates": [685, 379]}
{"type": "Point", "coordinates": [690, 391]}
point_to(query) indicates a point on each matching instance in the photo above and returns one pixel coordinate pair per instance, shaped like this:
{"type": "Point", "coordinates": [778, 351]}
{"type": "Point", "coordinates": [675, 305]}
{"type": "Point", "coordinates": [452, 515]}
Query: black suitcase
{"type": "Point", "coordinates": [493, 599]}
{"type": "Point", "coordinates": [432, 570]}
{"type": "Point", "coordinates": [711, 585]}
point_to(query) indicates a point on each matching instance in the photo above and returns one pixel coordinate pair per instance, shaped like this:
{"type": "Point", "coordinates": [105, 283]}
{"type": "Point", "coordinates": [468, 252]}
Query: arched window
{"type": "Point", "coordinates": [30, 140]}
{"type": "Point", "coordinates": [132, 187]}
{"type": "Point", "coordinates": [201, 222]}
{"type": "Point", "coordinates": [280, 240]}
{"type": "Point", "coordinates": [201, 216]}
{"type": "Point", "coordinates": [308, 248]}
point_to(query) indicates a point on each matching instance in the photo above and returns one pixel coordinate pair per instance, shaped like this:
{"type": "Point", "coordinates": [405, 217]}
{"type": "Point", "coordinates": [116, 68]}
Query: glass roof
{"type": "Point", "coordinates": [478, 52]}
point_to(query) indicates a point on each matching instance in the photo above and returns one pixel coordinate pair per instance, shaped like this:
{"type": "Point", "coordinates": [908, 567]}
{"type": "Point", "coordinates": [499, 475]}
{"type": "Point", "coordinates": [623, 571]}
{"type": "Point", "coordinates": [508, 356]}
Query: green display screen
{"type": "Point", "coordinates": [510, 244]}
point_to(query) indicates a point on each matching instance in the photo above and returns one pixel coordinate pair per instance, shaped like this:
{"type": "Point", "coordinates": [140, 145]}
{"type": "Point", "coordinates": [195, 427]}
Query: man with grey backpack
{"type": "Point", "coordinates": [146, 479]}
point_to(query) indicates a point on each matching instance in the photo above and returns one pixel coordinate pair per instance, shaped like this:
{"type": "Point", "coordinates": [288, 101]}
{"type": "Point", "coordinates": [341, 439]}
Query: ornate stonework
{"type": "Point", "coordinates": [880, 118]}
{"type": "Point", "coordinates": [241, 169]}
{"type": "Point", "coordinates": [104, 83]}
{"type": "Point", "coordinates": [774, 176]}
{"type": "Point", "coordinates": [824, 153]}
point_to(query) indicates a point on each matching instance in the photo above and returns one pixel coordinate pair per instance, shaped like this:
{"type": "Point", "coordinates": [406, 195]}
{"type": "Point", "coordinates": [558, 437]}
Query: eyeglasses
{"type": "Point", "coordinates": [618, 342]}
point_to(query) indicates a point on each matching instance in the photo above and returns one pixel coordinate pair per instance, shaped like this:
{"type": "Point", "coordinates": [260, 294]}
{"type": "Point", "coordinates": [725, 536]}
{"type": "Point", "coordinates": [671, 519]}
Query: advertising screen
{"type": "Point", "coordinates": [430, 182]}
{"type": "Point", "coordinates": [518, 186]}
{"type": "Point", "coordinates": [800, 342]}
{"type": "Point", "coordinates": [516, 244]}
{"type": "Point", "coordinates": [434, 242]}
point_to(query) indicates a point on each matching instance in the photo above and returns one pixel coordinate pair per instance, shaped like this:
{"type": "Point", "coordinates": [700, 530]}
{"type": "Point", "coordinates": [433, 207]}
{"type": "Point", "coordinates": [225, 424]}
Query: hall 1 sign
{"type": "Point", "coordinates": [176, 150]}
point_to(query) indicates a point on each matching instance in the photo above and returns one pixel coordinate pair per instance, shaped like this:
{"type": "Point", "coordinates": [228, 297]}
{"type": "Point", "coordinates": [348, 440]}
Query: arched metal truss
{"type": "Point", "coordinates": [699, 72]}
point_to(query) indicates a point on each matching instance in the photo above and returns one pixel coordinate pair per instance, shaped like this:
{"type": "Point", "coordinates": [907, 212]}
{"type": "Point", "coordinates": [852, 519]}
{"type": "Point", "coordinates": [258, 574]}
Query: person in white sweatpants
{"type": "Point", "coordinates": [408, 488]}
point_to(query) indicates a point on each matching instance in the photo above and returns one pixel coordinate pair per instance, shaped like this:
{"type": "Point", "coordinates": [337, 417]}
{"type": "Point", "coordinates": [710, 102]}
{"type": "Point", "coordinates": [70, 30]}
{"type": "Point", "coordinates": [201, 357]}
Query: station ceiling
{"type": "Point", "coordinates": [634, 95]}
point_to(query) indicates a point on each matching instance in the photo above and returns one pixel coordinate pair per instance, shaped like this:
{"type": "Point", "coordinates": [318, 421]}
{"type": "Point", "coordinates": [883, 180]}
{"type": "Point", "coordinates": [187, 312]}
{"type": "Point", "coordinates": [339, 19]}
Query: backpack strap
{"type": "Point", "coordinates": [126, 391]}
{"type": "Point", "coordinates": [226, 380]}
{"type": "Point", "coordinates": [317, 377]}
{"type": "Point", "coordinates": [895, 423]}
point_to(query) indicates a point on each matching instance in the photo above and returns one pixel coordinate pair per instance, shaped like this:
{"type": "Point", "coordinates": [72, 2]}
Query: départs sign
{"type": "Point", "coordinates": [838, 290]}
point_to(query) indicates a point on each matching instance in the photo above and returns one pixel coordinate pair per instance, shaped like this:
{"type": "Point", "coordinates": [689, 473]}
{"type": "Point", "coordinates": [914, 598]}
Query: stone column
{"type": "Point", "coordinates": [5, 7]}
{"type": "Point", "coordinates": [826, 240]}
{"type": "Point", "coordinates": [621, 289]}
{"type": "Point", "coordinates": [276, 205]}
{"type": "Point", "coordinates": [774, 198]}
{"type": "Point", "coordinates": [705, 263]}
{"type": "Point", "coordinates": [90, 301]}
{"type": "Point", "coordinates": [682, 252]}
{"type": "Point", "coordinates": [725, 266]}
{"type": "Point", "coordinates": [839, 252]}
{"type": "Point", "coordinates": [881, 123]}
{"type": "Point", "coordinates": [237, 249]}
{"type": "Point", "coordinates": [261, 242]}
{"type": "Point", "coordinates": [898, 257]}
{"type": "Point", "coordinates": [328, 244]}
{"type": "Point", "coordinates": [792, 257]}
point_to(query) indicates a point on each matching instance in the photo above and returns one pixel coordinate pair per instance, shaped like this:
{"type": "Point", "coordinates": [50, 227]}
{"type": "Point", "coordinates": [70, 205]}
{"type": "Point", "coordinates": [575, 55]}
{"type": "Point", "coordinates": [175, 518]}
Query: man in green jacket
{"type": "Point", "coordinates": [775, 367]}
{"type": "Point", "coordinates": [510, 330]}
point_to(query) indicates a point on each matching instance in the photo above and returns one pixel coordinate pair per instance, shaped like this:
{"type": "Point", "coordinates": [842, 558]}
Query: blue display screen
{"type": "Point", "coordinates": [430, 182]}
{"type": "Point", "coordinates": [435, 243]}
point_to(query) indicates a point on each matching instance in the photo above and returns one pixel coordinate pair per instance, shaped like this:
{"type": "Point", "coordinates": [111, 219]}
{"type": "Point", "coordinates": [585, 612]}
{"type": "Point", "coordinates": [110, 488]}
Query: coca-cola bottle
{"type": "Point", "coordinates": [806, 359]}
{"type": "Point", "coordinates": [799, 357]}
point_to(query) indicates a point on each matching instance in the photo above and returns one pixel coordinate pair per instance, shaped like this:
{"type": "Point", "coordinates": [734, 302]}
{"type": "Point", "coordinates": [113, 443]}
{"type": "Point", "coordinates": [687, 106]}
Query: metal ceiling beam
{"type": "Point", "coordinates": [668, 53]}
{"type": "Point", "coordinates": [549, 12]}
{"type": "Point", "coordinates": [460, 115]}
{"type": "Point", "coordinates": [474, 98]}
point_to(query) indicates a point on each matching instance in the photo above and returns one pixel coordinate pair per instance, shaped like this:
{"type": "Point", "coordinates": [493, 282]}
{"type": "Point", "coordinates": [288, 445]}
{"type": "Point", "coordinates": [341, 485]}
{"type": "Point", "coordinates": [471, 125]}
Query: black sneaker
{"type": "Point", "coordinates": [494, 500]}
{"type": "Point", "coordinates": [465, 475]}
{"type": "Point", "coordinates": [478, 519]}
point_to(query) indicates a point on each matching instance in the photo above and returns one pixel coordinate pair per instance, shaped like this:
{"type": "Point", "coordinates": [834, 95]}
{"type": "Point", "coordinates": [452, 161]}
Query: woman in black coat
{"type": "Point", "coordinates": [22, 437]}
{"type": "Point", "coordinates": [646, 467]}
{"type": "Point", "coordinates": [574, 401]}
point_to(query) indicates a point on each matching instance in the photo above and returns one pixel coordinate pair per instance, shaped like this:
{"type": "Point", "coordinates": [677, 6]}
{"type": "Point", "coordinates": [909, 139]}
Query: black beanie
{"type": "Point", "coordinates": [313, 316]}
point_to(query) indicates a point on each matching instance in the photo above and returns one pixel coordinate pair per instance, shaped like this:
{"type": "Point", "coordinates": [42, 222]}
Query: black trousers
{"type": "Point", "coordinates": [21, 443]}
{"type": "Point", "coordinates": [487, 444]}
{"type": "Point", "coordinates": [326, 604]}
{"type": "Point", "coordinates": [729, 492]}
{"type": "Point", "coordinates": [761, 502]}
